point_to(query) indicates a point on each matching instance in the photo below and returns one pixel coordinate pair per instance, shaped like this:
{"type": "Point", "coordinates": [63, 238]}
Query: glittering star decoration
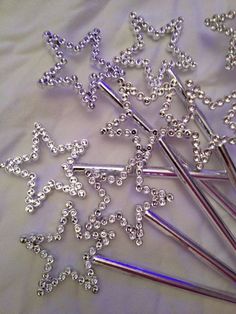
{"type": "Point", "coordinates": [135, 232]}
{"type": "Point", "coordinates": [91, 231]}
{"type": "Point", "coordinates": [127, 57]}
{"type": "Point", "coordinates": [97, 180]}
{"type": "Point", "coordinates": [217, 23]}
{"type": "Point", "coordinates": [157, 197]}
{"type": "Point", "coordinates": [57, 45]}
{"type": "Point", "coordinates": [15, 166]}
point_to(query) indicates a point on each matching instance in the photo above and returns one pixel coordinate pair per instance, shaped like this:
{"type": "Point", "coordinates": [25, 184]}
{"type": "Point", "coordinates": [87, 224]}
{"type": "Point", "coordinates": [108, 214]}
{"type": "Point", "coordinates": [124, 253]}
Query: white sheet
{"type": "Point", "coordinates": [24, 58]}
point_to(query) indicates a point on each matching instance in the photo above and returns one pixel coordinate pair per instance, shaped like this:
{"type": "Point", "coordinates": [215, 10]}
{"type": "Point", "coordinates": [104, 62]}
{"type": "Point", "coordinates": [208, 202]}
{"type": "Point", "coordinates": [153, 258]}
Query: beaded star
{"type": "Point", "coordinates": [57, 44]}
{"type": "Point", "coordinates": [126, 58]}
{"type": "Point", "coordinates": [217, 23]}
{"type": "Point", "coordinates": [97, 180]}
{"type": "Point", "coordinates": [143, 153]}
{"type": "Point", "coordinates": [94, 231]}
{"type": "Point", "coordinates": [73, 187]}
{"type": "Point", "coordinates": [135, 232]}
{"type": "Point", "coordinates": [157, 197]}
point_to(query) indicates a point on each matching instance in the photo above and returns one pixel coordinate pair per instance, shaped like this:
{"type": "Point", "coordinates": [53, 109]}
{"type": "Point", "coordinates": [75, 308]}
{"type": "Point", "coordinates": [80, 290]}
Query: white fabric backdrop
{"type": "Point", "coordinates": [24, 58]}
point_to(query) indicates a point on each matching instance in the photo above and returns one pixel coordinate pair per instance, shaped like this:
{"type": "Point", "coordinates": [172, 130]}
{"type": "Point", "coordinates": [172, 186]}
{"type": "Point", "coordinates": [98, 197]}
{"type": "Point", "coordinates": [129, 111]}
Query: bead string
{"type": "Point", "coordinates": [217, 23]}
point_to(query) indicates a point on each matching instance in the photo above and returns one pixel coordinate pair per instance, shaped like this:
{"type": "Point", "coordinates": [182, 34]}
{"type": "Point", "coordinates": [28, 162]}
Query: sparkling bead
{"type": "Point", "coordinates": [112, 218]}
{"type": "Point", "coordinates": [40, 292]}
{"type": "Point", "coordinates": [111, 179]}
{"type": "Point", "coordinates": [29, 209]}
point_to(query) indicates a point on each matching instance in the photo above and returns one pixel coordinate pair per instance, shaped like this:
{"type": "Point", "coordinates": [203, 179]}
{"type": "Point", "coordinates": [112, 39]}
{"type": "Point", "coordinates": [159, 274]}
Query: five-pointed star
{"type": "Point", "coordinates": [217, 23]}
{"type": "Point", "coordinates": [135, 232]}
{"type": "Point", "coordinates": [89, 231]}
{"type": "Point", "coordinates": [14, 166]}
{"type": "Point", "coordinates": [107, 69]}
{"type": "Point", "coordinates": [136, 163]}
{"type": "Point", "coordinates": [157, 197]}
{"type": "Point", "coordinates": [139, 26]}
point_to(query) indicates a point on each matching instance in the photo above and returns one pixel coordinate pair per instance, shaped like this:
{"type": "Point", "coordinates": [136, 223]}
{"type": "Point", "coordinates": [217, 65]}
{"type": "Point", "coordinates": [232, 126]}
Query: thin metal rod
{"type": "Point", "coordinates": [184, 176]}
{"type": "Point", "coordinates": [226, 204]}
{"type": "Point", "coordinates": [211, 190]}
{"type": "Point", "coordinates": [165, 279]}
{"type": "Point", "coordinates": [197, 194]}
{"type": "Point", "coordinates": [201, 120]}
{"type": "Point", "coordinates": [169, 229]}
{"type": "Point", "coordinates": [190, 245]}
{"type": "Point", "coordinates": [218, 175]}
{"type": "Point", "coordinates": [204, 175]}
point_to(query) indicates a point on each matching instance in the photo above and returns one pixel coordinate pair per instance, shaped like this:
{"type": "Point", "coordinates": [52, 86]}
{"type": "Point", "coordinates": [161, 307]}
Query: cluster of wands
{"type": "Point", "coordinates": [163, 86]}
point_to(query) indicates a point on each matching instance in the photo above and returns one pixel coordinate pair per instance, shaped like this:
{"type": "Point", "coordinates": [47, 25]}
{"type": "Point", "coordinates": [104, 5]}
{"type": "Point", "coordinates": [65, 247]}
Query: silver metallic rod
{"type": "Point", "coordinates": [211, 190]}
{"type": "Point", "coordinates": [219, 175]}
{"type": "Point", "coordinates": [170, 230]}
{"type": "Point", "coordinates": [183, 175]}
{"type": "Point", "coordinates": [204, 125]}
{"type": "Point", "coordinates": [165, 279]}
{"type": "Point", "coordinates": [226, 204]}
{"type": "Point", "coordinates": [190, 245]}
{"type": "Point", "coordinates": [204, 175]}
{"type": "Point", "coordinates": [197, 194]}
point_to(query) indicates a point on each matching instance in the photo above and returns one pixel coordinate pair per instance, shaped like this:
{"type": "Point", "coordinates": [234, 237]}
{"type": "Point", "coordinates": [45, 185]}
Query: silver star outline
{"type": "Point", "coordinates": [57, 45]}
{"type": "Point", "coordinates": [73, 187]}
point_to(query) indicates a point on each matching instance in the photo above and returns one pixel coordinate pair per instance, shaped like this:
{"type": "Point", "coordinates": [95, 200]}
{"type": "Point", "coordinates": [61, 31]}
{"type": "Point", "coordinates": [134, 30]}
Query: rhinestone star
{"type": "Point", "coordinates": [35, 242]}
{"type": "Point", "coordinates": [14, 166]}
{"type": "Point", "coordinates": [217, 23]}
{"type": "Point", "coordinates": [97, 218]}
{"type": "Point", "coordinates": [57, 45]}
{"type": "Point", "coordinates": [139, 27]}
{"type": "Point", "coordinates": [157, 197]}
